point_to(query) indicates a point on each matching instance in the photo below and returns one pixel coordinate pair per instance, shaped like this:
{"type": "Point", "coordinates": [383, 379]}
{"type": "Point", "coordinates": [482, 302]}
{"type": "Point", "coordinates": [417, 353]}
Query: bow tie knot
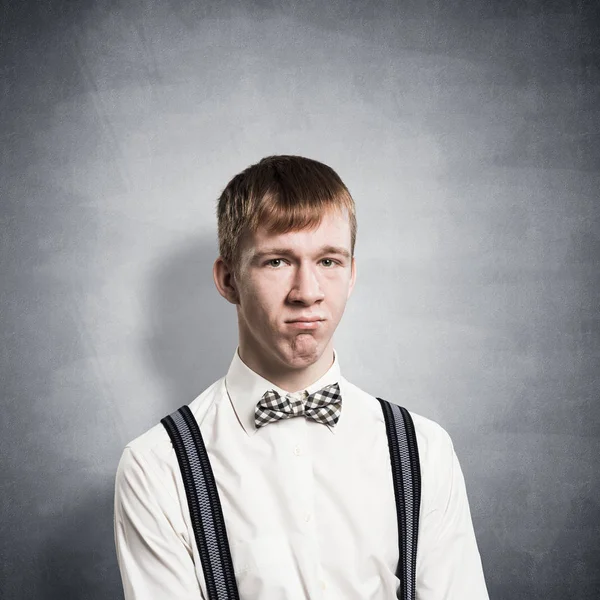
{"type": "Point", "coordinates": [322, 406]}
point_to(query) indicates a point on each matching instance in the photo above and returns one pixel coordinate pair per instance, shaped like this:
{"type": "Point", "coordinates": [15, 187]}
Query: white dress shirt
{"type": "Point", "coordinates": [309, 509]}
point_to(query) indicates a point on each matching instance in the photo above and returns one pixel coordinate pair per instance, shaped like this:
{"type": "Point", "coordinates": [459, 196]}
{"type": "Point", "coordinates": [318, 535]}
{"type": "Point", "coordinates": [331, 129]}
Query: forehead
{"type": "Point", "coordinates": [332, 232]}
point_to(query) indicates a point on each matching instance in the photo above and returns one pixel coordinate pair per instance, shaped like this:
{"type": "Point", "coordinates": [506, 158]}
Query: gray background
{"type": "Point", "coordinates": [468, 133]}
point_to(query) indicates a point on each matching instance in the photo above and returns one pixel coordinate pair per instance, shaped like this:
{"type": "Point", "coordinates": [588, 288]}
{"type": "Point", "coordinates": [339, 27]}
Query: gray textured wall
{"type": "Point", "coordinates": [468, 133]}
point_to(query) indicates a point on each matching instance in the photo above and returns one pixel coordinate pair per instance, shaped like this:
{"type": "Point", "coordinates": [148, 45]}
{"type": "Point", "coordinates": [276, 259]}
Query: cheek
{"type": "Point", "coordinates": [260, 302]}
{"type": "Point", "coordinates": [339, 298]}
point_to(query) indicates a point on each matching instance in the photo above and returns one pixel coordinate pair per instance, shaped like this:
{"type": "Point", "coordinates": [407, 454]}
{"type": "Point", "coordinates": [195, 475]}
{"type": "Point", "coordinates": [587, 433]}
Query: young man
{"type": "Point", "coordinates": [309, 506]}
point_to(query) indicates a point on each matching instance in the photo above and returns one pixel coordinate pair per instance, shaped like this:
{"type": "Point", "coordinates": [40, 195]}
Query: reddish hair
{"type": "Point", "coordinates": [281, 193]}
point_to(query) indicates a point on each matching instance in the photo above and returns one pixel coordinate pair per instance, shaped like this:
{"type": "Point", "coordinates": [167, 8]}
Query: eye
{"type": "Point", "coordinates": [272, 260]}
{"type": "Point", "coordinates": [278, 260]}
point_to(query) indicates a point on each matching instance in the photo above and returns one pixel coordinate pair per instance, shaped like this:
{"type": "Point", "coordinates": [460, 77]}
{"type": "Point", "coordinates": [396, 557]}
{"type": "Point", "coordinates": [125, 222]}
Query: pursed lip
{"type": "Point", "coordinates": [305, 320]}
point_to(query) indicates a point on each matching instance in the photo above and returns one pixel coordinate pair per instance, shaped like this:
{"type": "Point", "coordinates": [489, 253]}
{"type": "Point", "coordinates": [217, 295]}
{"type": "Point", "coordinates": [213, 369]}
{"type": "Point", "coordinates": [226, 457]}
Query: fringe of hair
{"type": "Point", "coordinates": [281, 193]}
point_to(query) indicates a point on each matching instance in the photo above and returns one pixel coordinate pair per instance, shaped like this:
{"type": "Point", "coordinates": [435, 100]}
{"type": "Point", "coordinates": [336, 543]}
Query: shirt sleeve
{"type": "Point", "coordinates": [448, 560]}
{"type": "Point", "coordinates": [154, 559]}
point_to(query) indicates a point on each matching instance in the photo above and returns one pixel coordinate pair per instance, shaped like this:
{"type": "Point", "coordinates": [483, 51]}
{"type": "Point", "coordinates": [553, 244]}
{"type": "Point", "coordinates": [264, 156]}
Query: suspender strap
{"type": "Point", "coordinates": [204, 504]}
{"type": "Point", "coordinates": [404, 456]}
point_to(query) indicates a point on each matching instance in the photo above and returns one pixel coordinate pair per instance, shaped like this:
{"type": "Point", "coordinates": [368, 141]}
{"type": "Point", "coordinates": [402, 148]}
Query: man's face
{"type": "Point", "coordinates": [288, 276]}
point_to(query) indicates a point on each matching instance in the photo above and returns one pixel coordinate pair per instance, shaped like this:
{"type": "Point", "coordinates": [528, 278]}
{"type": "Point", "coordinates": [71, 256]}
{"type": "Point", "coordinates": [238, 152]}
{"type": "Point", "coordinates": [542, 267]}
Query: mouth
{"type": "Point", "coordinates": [312, 323]}
{"type": "Point", "coordinates": [306, 319]}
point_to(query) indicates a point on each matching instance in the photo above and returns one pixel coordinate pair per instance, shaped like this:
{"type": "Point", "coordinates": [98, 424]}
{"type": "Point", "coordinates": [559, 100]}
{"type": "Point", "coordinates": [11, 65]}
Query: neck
{"type": "Point", "coordinates": [288, 378]}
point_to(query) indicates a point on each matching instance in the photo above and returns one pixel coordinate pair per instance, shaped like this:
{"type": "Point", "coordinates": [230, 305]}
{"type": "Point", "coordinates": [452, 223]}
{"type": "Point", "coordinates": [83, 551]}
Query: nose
{"type": "Point", "coordinates": [306, 287]}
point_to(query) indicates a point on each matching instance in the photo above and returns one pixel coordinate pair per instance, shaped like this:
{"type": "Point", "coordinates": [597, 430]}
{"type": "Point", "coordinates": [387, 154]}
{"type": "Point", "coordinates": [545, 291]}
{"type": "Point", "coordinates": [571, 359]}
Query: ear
{"type": "Point", "coordinates": [225, 281]}
{"type": "Point", "coordinates": [352, 277]}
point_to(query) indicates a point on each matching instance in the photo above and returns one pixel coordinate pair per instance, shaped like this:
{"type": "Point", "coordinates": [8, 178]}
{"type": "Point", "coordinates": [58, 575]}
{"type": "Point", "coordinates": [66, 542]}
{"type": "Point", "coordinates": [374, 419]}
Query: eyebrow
{"type": "Point", "coordinates": [287, 252]}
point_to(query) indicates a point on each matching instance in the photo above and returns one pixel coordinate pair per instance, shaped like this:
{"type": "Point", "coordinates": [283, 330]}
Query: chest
{"type": "Point", "coordinates": [309, 513]}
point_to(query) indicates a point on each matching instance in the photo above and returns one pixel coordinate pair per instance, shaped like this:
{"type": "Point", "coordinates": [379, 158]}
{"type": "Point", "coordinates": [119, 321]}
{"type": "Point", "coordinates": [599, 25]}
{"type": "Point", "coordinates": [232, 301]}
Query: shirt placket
{"type": "Point", "coordinates": [304, 503]}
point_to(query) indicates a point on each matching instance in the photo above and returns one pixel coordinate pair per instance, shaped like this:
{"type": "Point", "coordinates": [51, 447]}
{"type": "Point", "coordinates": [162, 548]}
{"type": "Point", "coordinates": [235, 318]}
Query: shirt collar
{"type": "Point", "coordinates": [246, 387]}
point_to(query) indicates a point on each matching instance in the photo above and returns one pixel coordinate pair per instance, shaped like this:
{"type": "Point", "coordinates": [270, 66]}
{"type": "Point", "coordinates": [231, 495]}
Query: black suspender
{"type": "Point", "coordinates": [404, 456]}
{"type": "Point", "coordinates": [207, 515]}
{"type": "Point", "coordinates": [204, 504]}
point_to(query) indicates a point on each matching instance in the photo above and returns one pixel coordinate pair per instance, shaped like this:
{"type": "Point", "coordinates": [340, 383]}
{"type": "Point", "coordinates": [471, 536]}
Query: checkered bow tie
{"type": "Point", "coordinates": [323, 406]}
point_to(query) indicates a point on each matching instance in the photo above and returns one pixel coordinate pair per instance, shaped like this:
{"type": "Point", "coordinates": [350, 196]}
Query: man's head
{"type": "Point", "coordinates": [287, 231]}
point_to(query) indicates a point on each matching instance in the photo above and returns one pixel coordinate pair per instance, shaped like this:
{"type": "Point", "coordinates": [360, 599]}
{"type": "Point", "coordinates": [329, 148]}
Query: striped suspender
{"type": "Point", "coordinates": [204, 504]}
{"type": "Point", "coordinates": [404, 456]}
{"type": "Point", "coordinates": [207, 516]}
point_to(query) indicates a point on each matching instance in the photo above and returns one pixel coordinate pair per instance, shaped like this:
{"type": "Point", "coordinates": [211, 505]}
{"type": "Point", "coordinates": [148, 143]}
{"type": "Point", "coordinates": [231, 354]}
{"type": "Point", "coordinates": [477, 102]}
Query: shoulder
{"type": "Point", "coordinates": [430, 434]}
{"type": "Point", "coordinates": [437, 460]}
{"type": "Point", "coordinates": [432, 438]}
{"type": "Point", "coordinates": [433, 441]}
{"type": "Point", "coordinates": [152, 451]}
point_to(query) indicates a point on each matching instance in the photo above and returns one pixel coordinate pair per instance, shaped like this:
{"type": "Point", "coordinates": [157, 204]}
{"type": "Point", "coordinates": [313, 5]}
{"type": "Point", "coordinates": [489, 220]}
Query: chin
{"type": "Point", "coordinates": [304, 349]}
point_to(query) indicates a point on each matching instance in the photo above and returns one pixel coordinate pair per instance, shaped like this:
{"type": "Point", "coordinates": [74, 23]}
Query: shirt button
{"type": "Point", "coordinates": [297, 451]}
{"type": "Point", "coordinates": [323, 585]}
{"type": "Point", "coordinates": [307, 517]}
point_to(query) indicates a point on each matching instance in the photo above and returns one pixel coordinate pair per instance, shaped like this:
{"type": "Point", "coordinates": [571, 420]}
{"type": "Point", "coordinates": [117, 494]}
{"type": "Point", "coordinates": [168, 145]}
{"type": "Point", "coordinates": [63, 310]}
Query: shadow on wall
{"type": "Point", "coordinates": [192, 329]}
{"type": "Point", "coordinates": [192, 334]}
{"type": "Point", "coordinates": [79, 561]}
